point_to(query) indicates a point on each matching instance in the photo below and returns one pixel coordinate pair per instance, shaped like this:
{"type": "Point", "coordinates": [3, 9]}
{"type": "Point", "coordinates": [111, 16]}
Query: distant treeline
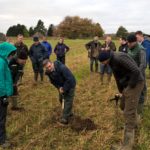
{"type": "Point", "coordinates": [71, 27]}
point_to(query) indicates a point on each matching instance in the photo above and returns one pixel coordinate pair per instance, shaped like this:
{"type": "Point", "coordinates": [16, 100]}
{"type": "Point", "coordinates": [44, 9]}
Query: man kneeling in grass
{"type": "Point", "coordinates": [62, 78]}
{"type": "Point", "coordinates": [130, 82]}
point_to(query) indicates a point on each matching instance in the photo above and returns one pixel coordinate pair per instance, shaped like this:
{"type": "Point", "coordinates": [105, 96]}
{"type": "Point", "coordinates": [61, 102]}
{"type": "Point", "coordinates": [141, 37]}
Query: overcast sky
{"type": "Point", "coordinates": [132, 14]}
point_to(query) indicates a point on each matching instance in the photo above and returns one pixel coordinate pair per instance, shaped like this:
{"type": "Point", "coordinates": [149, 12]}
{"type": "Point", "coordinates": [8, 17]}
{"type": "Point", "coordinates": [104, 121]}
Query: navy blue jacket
{"type": "Point", "coordinates": [61, 49]}
{"type": "Point", "coordinates": [62, 77]}
{"type": "Point", "coordinates": [48, 47]}
{"type": "Point", "coordinates": [37, 53]}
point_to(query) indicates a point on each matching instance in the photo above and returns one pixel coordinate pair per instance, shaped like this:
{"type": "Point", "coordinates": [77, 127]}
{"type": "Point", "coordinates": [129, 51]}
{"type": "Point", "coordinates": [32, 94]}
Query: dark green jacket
{"type": "Point", "coordinates": [139, 55]}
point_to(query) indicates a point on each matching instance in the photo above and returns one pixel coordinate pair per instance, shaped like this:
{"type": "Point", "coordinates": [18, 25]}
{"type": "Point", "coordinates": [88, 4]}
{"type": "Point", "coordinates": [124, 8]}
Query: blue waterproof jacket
{"type": "Point", "coordinates": [146, 45]}
{"type": "Point", "coordinates": [48, 47]}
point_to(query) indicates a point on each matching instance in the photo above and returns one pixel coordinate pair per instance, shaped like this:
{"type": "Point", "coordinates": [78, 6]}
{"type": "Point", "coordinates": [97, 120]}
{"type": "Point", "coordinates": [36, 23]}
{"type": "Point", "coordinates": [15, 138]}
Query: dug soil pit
{"type": "Point", "coordinates": [78, 124]}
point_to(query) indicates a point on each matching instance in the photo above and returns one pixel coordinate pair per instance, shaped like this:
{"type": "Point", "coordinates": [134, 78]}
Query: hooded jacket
{"type": "Point", "coordinates": [6, 84]}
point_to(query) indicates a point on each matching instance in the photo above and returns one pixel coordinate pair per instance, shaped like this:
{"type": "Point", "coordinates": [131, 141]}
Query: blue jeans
{"type": "Point", "coordinates": [105, 69]}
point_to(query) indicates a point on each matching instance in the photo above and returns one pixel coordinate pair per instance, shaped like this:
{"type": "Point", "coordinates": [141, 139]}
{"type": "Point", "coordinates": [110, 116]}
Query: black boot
{"type": "Point", "coordinates": [35, 77]}
{"type": "Point", "coordinates": [42, 77]}
{"type": "Point", "coordinates": [96, 67]}
{"type": "Point", "coordinates": [91, 67]}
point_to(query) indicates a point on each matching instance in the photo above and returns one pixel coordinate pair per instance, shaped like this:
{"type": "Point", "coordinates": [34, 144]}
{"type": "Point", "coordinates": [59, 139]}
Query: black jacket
{"type": "Point", "coordinates": [125, 70]}
{"type": "Point", "coordinates": [16, 70]}
{"type": "Point", "coordinates": [123, 48]}
{"type": "Point", "coordinates": [61, 49]}
{"type": "Point", "coordinates": [61, 77]}
{"type": "Point", "coordinates": [37, 53]}
{"type": "Point", "coordinates": [21, 47]}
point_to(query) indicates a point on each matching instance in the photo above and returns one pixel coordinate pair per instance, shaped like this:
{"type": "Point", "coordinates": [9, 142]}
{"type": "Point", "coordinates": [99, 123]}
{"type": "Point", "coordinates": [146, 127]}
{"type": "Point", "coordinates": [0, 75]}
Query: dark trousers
{"type": "Point", "coordinates": [61, 59]}
{"type": "Point", "coordinates": [68, 102]}
{"type": "Point", "coordinates": [92, 61]}
{"type": "Point", "coordinates": [38, 68]}
{"type": "Point", "coordinates": [3, 114]}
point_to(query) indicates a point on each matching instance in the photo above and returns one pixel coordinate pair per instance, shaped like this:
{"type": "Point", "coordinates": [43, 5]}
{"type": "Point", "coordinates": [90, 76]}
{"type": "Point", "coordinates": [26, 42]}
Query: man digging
{"type": "Point", "coordinates": [62, 78]}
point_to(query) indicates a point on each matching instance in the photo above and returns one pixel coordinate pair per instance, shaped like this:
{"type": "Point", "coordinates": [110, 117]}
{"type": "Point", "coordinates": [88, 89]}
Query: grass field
{"type": "Point", "coordinates": [95, 126]}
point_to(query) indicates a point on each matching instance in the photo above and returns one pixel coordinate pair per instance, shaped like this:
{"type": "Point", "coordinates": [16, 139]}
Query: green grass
{"type": "Point", "coordinates": [36, 127]}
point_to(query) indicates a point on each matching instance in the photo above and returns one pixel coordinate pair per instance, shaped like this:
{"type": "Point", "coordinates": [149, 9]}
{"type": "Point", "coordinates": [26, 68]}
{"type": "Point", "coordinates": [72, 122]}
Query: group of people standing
{"type": "Point", "coordinates": [39, 51]}
{"type": "Point", "coordinates": [128, 66]}
{"type": "Point", "coordinates": [13, 57]}
{"type": "Point", "coordinates": [94, 48]}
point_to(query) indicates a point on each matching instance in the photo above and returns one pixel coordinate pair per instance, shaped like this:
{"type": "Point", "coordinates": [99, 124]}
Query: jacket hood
{"type": "Point", "coordinates": [5, 49]}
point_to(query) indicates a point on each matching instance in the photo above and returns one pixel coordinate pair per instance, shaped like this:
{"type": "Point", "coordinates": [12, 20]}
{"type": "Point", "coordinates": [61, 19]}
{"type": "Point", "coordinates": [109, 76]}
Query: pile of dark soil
{"type": "Point", "coordinates": [78, 124]}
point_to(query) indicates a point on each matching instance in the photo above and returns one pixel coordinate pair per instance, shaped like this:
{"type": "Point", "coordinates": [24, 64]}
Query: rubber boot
{"type": "Point", "coordinates": [140, 108]}
{"type": "Point", "coordinates": [35, 77]}
{"type": "Point", "coordinates": [42, 77]}
{"type": "Point", "coordinates": [91, 67]}
{"type": "Point", "coordinates": [15, 104]}
{"type": "Point", "coordinates": [128, 142]}
{"type": "Point", "coordinates": [96, 67]}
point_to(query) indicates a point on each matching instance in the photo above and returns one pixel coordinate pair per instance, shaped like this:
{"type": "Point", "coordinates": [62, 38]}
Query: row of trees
{"type": "Point", "coordinates": [70, 27]}
{"type": "Point", "coordinates": [22, 29]}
